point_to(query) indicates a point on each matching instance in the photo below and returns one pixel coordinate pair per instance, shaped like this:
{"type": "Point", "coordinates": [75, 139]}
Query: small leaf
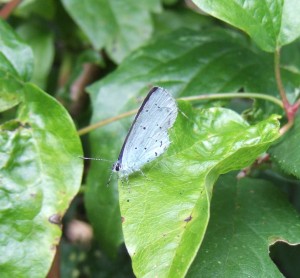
{"type": "Point", "coordinates": [286, 153]}
{"type": "Point", "coordinates": [165, 211]}
{"type": "Point", "coordinates": [271, 24]}
{"type": "Point", "coordinates": [15, 56]}
{"type": "Point", "coordinates": [40, 173]}
{"type": "Point", "coordinates": [119, 26]}
{"type": "Point", "coordinates": [253, 216]}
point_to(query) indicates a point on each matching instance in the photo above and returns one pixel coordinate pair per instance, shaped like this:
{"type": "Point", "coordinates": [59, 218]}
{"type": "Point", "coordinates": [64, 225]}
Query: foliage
{"type": "Point", "coordinates": [190, 213]}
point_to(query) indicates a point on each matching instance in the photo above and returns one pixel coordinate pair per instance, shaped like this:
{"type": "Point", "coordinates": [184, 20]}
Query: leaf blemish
{"type": "Point", "coordinates": [55, 219]}
{"type": "Point", "coordinates": [188, 219]}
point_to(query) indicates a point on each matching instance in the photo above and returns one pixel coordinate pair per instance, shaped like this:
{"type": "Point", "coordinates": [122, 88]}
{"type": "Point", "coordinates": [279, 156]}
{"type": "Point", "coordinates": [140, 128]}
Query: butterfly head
{"type": "Point", "coordinates": [117, 166]}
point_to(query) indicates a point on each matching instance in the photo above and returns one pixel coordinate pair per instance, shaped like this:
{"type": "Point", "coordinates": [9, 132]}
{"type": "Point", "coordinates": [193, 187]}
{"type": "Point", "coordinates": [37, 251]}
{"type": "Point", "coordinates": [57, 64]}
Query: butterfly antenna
{"type": "Point", "coordinates": [108, 182]}
{"type": "Point", "coordinates": [91, 158]}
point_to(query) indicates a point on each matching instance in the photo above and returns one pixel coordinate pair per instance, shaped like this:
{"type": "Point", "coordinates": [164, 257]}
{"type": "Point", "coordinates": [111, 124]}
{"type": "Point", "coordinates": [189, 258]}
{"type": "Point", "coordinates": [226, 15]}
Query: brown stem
{"type": "Point", "coordinates": [54, 271]}
{"type": "Point", "coordinates": [79, 96]}
{"type": "Point", "coordinates": [286, 127]}
{"type": "Point", "coordinates": [105, 122]}
{"type": "Point", "coordinates": [8, 8]}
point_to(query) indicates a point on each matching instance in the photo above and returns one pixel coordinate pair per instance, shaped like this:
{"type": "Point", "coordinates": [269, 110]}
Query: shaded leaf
{"type": "Point", "coordinates": [165, 211]}
{"type": "Point", "coordinates": [271, 24]}
{"type": "Point", "coordinates": [92, 262]}
{"type": "Point", "coordinates": [15, 56]}
{"type": "Point", "coordinates": [170, 20]}
{"type": "Point", "coordinates": [40, 174]}
{"type": "Point", "coordinates": [41, 41]}
{"type": "Point", "coordinates": [28, 8]}
{"type": "Point", "coordinates": [286, 153]}
{"type": "Point", "coordinates": [247, 216]}
{"type": "Point", "coordinates": [119, 26]}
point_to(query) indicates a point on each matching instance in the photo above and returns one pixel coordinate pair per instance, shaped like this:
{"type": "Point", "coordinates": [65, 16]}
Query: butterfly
{"type": "Point", "coordinates": [148, 135]}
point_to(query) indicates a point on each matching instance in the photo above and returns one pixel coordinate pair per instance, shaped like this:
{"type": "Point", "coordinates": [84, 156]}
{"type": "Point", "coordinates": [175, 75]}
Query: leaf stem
{"type": "Point", "coordinates": [278, 78]}
{"type": "Point", "coordinates": [107, 121]}
{"type": "Point", "coordinates": [235, 95]}
{"type": "Point", "coordinates": [290, 109]}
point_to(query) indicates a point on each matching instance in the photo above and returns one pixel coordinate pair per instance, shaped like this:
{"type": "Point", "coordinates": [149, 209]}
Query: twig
{"type": "Point", "coordinates": [78, 94]}
{"type": "Point", "coordinates": [106, 122]}
{"type": "Point", "coordinates": [8, 8]}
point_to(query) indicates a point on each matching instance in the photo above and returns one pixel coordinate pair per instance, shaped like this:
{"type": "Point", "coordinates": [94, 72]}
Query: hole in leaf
{"type": "Point", "coordinates": [286, 257]}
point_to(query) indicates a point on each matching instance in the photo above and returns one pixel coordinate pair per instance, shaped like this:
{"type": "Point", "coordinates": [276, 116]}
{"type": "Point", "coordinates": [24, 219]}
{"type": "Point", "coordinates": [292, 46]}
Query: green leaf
{"type": "Point", "coordinates": [10, 91]}
{"type": "Point", "coordinates": [164, 64]}
{"type": "Point", "coordinates": [270, 24]}
{"type": "Point", "coordinates": [243, 225]}
{"type": "Point", "coordinates": [41, 41]}
{"type": "Point", "coordinates": [15, 56]}
{"type": "Point", "coordinates": [40, 173]}
{"type": "Point", "coordinates": [189, 65]}
{"type": "Point", "coordinates": [290, 56]}
{"type": "Point", "coordinates": [165, 211]}
{"type": "Point", "coordinates": [119, 26]}
{"type": "Point", "coordinates": [286, 153]}
{"type": "Point", "coordinates": [170, 20]}
{"type": "Point", "coordinates": [28, 8]}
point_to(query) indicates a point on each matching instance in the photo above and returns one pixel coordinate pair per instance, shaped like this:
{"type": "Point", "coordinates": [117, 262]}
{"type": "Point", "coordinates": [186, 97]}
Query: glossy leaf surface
{"type": "Point", "coordinates": [271, 24]}
{"type": "Point", "coordinates": [119, 26]}
{"type": "Point", "coordinates": [40, 173]}
{"type": "Point", "coordinates": [166, 210]}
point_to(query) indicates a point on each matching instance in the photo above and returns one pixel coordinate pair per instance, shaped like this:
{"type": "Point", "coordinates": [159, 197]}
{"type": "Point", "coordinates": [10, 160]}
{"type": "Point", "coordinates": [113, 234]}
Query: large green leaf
{"type": "Point", "coordinates": [196, 62]}
{"type": "Point", "coordinates": [247, 216]}
{"type": "Point", "coordinates": [286, 153]}
{"type": "Point", "coordinates": [15, 56]}
{"type": "Point", "coordinates": [40, 173]}
{"type": "Point", "coordinates": [119, 26]}
{"type": "Point", "coordinates": [165, 64]}
{"type": "Point", "coordinates": [271, 24]}
{"type": "Point", "coordinates": [165, 211]}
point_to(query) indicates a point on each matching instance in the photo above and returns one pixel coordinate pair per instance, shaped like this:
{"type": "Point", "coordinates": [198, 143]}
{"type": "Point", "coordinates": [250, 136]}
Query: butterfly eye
{"type": "Point", "coordinates": [117, 167]}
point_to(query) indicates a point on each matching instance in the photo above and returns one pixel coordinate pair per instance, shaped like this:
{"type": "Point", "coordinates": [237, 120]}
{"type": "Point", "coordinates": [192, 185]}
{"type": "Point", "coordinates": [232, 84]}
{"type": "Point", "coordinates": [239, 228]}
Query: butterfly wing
{"type": "Point", "coordinates": [148, 137]}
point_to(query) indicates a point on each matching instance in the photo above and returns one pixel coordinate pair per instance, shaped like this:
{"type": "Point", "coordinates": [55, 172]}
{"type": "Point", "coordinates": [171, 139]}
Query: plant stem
{"type": "Point", "coordinates": [290, 109]}
{"type": "Point", "coordinates": [106, 122]}
{"type": "Point", "coordinates": [278, 79]}
{"type": "Point", "coordinates": [191, 98]}
{"type": "Point", "coordinates": [235, 95]}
